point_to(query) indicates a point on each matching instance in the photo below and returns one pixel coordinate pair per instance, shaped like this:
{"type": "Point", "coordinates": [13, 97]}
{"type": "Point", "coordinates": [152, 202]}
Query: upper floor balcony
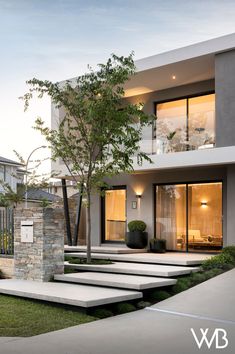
{"type": "Point", "coordinates": [182, 125]}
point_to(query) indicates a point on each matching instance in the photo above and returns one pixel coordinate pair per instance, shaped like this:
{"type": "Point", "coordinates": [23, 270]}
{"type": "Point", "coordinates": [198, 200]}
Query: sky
{"type": "Point", "coordinates": [56, 39]}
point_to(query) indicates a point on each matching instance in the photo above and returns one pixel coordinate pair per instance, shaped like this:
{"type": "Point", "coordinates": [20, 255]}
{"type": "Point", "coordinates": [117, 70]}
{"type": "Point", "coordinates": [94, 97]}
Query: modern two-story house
{"type": "Point", "coordinates": [187, 195]}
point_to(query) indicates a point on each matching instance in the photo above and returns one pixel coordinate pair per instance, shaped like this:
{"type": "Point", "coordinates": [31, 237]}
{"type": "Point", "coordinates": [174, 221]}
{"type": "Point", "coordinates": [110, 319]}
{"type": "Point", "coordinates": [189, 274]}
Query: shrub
{"type": "Point", "coordinates": [197, 278]}
{"type": "Point", "coordinates": [160, 295]}
{"type": "Point", "coordinates": [143, 304]}
{"type": "Point", "coordinates": [124, 307]}
{"type": "Point", "coordinates": [181, 285]}
{"type": "Point", "coordinates": [136, 225]}
{"type": "Point", "coordinates": [213, 273]}
{"type": "Point", "coordinates": [229, 250]}
{"type": "Point", "coordinates": [102, 313]}
{"type": "Point", "coordinates": [221, 261]}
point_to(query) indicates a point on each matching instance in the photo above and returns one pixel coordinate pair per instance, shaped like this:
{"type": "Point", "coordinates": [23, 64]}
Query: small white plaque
{"type": "Point", "coordinates": [27, 231]}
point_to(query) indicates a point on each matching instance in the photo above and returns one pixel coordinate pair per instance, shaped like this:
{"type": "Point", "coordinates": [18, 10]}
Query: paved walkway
{"type": "Point", "coordinates": [160, 329]}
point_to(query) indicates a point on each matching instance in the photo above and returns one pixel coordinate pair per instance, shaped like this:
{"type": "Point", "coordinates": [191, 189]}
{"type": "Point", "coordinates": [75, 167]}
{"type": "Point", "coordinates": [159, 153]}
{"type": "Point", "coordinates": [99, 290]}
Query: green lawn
{"type": "Point", "coordinates": [24, 318]}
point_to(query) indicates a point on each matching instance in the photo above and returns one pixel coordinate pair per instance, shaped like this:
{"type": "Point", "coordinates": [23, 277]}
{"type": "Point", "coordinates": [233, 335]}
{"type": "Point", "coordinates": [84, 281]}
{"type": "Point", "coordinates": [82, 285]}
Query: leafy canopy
{"type": "Point", "coordinates": [99, 133]}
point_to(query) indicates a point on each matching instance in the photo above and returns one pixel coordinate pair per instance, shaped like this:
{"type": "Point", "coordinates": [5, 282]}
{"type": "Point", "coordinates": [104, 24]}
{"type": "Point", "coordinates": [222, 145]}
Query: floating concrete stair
{"type": "Point", "coordinates": [181, 259]}
{"type": "Point", "coordinates": [64, 293]}
{"type": "Point", "coordinates": [105, 249]}
{"type": "Point", "coordinates": [157, 270]}
{"type": "Point", "coordinates": [115, 280]}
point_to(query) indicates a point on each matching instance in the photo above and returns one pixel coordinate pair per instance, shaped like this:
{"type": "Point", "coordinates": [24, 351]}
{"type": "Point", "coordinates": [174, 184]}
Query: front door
{"type": "Point", "coordinates": [189, 216]}
{"type": "Point", "coordinates": [114, 215]}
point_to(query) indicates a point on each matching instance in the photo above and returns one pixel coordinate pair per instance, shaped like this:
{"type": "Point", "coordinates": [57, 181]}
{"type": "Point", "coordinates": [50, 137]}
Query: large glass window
{"type": "Point", "coordinates": [189, 216]}
{"type": "Point", "coordinates": [115, 214]}
{"type": "Point", "coordinates": [185, 124]}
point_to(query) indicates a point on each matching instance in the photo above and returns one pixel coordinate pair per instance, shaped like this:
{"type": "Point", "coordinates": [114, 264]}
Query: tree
{"type": "Point", "coordinates": [99, 134]}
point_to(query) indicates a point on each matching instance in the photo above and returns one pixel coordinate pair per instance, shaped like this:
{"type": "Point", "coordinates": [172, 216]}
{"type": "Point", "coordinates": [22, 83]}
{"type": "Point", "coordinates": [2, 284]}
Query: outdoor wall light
{"type": "Point", "coordinates": [173, 77]}
{"type": "Point", "coordinates": [138, 196]}
{"type": "Point", "coordinates": [203, 204]}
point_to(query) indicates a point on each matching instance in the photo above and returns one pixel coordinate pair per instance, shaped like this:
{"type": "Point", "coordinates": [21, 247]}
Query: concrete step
{"type": "Point", "coordinates": [115, 280]}
{"type": "Point", "coordinates": [157, 270]}
{"type": "Point", "coordinates": [64, 293]}
{"type": "Point", "coordinates": [105, 249]}
{"type": "Point", "coordinates": [169, 258]}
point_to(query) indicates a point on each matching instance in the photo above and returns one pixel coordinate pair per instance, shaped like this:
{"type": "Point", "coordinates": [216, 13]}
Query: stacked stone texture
{"type": "Point", "coordinates": [44, 257]}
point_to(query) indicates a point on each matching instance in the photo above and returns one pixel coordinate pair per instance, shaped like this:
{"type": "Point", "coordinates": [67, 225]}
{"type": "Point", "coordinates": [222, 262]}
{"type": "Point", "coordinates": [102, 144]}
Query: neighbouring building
{"type": "Point", "coordinates": [187, 195]}
{"type": "Point", "coordinates": [11, 173]}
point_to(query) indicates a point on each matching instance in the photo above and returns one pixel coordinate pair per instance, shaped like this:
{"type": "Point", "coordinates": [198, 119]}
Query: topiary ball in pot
{"type": "Point", "coordinates": [137, 237]}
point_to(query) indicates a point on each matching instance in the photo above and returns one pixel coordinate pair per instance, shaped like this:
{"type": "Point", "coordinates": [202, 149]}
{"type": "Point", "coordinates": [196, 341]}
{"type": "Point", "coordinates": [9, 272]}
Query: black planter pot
{"type": "Point", "coordinates": [158, 246]}
{"type": "Point", "coordinates": [136, 239]}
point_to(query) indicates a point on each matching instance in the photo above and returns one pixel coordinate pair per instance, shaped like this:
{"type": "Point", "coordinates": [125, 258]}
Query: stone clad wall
{"type": "Point", "coordinates": [44, 257]}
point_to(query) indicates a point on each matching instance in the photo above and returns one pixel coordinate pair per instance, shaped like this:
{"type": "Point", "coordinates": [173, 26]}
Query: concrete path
{"type": "Point", "coordinates": [157, 270]}
{"type": "Point", "coordinates": [65, 293]}
{"type": "Point", "coordinates": [115, 280]}
{"type": "Point", "coordinates": [160, 329]}
{"type": "Point", "coordinates": [105, 249]}
{"type": "Point", "coordinates": [172, 258]}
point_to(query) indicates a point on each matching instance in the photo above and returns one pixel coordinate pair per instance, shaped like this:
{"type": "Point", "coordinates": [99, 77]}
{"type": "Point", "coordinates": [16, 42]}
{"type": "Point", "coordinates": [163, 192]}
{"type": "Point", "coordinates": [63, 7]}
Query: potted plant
{"type": "Point", "coordinates": [157, 245]}
{"type": "Point", "coordinates": [137, 237]}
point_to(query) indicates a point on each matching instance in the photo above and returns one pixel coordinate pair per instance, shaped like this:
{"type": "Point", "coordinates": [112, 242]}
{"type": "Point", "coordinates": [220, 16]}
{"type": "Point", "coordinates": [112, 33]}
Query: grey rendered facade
{"type": "Point", "coordinates": [199, 70]}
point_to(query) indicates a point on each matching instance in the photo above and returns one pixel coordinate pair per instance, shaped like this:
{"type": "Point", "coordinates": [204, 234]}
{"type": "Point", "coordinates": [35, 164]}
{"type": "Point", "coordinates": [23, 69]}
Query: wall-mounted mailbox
{"type": "Point", "coordinates": [27, 231]}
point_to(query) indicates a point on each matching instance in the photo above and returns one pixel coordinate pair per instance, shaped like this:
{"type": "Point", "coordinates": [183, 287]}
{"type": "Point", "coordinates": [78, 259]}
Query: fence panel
{"type": "Point", "coordinates": [6, 231]}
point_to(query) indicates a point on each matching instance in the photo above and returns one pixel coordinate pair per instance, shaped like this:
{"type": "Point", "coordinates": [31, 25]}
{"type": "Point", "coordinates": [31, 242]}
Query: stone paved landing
{"type": "Point", "coordinates": [115, 280]}
{"type": "Point", "coordinates": [157, 270]}
{"type": "Point", "coordinates": [64, 293]}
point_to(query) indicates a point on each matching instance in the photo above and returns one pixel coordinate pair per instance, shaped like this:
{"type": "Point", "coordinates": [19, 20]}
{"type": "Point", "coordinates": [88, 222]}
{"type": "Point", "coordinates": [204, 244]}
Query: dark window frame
{"type": "Point", "coordinates": [187, 183]}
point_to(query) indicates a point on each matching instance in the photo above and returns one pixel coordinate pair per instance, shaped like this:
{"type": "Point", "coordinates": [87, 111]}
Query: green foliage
{"type": "Point", "coordinates": [4, 202]}
{"type": "Point", "coordinates": [11, 198]}
{"type": "Point", "coordinates": [136, 225]}
{"type": "Point", "coordinates": [197, 278]}
{"type": "Point", "coordinates": [26, 318]}
{"type": "Point", "coordinates": [142, 304]}
{"type": "Point", "coordinates": [124, 307]}
{"type": "Point", "coordinates": [102, 313]}
{"type": "Point", "coordinates": [98, 135]}
{"type": "Point", "coordinates": [229, 250]}
{"type": "Point", "coordinates": [213, 273]}
{"type": "Point", "coordinates": [77, 260]}
{"type": "Point", "coordinates": [181, 285]}
{"type": "Point", "coordinates": [160, 295]}
{"type": "Point", "coordinates": [222, 261]}
{"type": "Point", "coordinates": [44, 203]}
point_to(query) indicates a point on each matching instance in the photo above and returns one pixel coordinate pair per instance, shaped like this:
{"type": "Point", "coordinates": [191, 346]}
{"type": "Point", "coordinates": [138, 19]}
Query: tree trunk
{"type": "Point", "coordinates": [88, 234]}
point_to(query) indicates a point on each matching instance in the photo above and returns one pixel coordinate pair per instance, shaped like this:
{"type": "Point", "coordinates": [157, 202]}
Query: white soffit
{"type": "Point", "coordinates": [189, 64]}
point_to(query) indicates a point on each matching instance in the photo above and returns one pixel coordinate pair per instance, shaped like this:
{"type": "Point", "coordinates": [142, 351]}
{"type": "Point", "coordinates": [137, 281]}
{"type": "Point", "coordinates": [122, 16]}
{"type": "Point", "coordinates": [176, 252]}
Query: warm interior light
{"type": "Point", "coordinates": [203, 204]}
{"type": "Point", "coordinates": [173, 77]}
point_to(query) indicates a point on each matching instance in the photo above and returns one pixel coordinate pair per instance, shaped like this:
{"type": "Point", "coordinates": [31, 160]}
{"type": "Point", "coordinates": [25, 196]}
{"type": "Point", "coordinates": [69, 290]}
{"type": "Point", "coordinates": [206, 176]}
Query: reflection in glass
{"type": "Point", "coordinates": [186, 124]}
{"type": "Point", "coordinates": [189, 216]}
{"type": "Point", "coordinates": [202, 121]}
{"type": "Point", "coordinates": [171, 215]}
{"type": "Point", "coordinates": [115, 215]}
{"type": "Point", "coordinates": [171, 126]}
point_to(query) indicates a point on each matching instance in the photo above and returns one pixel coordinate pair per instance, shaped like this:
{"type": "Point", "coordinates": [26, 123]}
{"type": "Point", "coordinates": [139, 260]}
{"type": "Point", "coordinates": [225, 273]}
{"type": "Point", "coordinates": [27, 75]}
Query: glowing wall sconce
{"type": "Point", "coordinates": [204, 204]}
{"type": "Point", "coordinates": [138, 196]}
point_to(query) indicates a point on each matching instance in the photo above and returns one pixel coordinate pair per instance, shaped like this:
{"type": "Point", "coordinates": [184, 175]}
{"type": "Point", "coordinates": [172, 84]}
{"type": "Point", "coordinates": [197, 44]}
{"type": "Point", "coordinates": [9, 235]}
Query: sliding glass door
{"type": "Point", "coordinates": [114, 214]}
{"type": "Point", "coordinates": [189, 216]}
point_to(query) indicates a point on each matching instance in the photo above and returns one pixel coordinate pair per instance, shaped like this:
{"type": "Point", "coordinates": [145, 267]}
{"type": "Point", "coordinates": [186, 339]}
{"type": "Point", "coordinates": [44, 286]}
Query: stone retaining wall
{"type": "Point", "coordinates": [44, 257]}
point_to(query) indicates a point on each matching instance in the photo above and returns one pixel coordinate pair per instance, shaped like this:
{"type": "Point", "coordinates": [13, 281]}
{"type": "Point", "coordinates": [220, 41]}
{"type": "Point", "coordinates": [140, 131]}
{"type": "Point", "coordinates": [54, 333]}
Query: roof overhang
{"type": "Point", "coordinates": [190, 64]}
